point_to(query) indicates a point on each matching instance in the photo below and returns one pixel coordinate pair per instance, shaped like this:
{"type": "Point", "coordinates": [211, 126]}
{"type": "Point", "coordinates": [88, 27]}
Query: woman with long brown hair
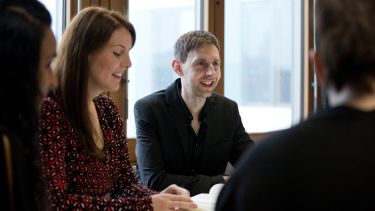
{"type": "Point", "coordinates": [84, 148]}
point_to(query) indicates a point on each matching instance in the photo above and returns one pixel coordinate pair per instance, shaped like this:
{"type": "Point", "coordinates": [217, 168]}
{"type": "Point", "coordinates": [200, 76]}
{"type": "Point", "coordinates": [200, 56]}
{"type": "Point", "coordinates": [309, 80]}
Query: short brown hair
{"type": "Point", "coordinates": [193, 40]}
{"type": "Point", "coordinates": [346, 41]}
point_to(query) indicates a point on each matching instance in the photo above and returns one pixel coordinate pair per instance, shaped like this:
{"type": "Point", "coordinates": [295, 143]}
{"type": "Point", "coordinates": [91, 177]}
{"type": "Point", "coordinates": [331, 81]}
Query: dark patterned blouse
{"type": "Point", "coordinates": [81, 181]}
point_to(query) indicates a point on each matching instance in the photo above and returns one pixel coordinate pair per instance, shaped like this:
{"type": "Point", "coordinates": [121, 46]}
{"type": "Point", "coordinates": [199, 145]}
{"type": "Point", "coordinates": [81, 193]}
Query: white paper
{"type": "Point", "coordinates": [207, 201]}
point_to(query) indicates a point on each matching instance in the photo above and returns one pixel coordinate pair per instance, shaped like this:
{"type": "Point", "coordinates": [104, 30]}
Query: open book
{"type": "Point", "coordinates": [207, 201]}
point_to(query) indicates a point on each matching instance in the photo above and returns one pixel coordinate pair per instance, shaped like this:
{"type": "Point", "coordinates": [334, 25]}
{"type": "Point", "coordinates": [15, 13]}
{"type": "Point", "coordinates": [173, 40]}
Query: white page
{"type": "Point", "coordinates": [207, 201]}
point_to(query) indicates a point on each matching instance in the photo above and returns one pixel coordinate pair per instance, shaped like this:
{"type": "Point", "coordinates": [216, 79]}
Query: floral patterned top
{"type": "Point", "coordinates": [80, 181]}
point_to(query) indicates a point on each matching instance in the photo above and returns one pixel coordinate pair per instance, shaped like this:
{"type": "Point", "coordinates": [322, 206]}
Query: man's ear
{"type": "Point", "coordinates": [319, 67]}
{"type": "Point", "coordinates": [176, 65]}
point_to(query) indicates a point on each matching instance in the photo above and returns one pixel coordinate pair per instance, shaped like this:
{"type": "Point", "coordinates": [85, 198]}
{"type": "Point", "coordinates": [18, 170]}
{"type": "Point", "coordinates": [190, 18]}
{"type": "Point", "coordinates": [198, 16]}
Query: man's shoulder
{"type": "Point", "coordinates": [220, 99]}
{"type": "Point", "coordinates": [290, 139]}
{"type": "Point", "coordinates": [154, 98]}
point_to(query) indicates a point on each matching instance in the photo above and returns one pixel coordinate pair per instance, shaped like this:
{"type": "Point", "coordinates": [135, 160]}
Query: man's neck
{"type": "Point", "coordinates": [194, 104]}
{"type": "Point", "coordinates": [349, 97]}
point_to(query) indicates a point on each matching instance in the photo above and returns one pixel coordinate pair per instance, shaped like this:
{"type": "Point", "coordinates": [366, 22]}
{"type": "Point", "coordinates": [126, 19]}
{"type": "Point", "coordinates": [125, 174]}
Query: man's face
{"type": "Point", "coordinates": [201, 71]}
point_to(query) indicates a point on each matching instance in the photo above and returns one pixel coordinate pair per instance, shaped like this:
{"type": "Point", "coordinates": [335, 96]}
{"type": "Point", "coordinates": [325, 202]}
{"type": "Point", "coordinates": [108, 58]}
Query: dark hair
{"type": "Point", "coordinates": [193, 40]}
{"type": "Point", "coordinates": [21, 35]}
{"type": "Point", "coordinates": [89, 31]}
{"type": "Point", "coordinates": [22, 28]}
{"type": "Point", "coordinates": [345, 32]}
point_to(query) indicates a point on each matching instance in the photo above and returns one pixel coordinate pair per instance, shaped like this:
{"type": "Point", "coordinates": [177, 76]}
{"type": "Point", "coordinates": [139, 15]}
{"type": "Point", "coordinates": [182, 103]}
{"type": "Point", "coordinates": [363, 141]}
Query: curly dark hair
{"type": "Point", "coordinates": [346, 41]}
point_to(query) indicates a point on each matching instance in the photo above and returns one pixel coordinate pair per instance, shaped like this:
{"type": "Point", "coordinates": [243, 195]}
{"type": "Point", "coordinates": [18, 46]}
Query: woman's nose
{"type": "Point", "coordinates": [127, 63]}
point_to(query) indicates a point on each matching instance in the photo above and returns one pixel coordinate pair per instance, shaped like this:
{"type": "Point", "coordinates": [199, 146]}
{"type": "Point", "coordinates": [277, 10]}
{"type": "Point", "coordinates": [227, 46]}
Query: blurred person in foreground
{"type": "Point", "coordinates": [328, 161]}
{"type": "Point", "coordinates": [27, 47]}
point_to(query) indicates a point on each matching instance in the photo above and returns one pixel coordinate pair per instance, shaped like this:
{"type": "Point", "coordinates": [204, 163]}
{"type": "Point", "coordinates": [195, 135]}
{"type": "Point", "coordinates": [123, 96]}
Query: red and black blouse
{"type": "Point", "coordinates": [79, 180]}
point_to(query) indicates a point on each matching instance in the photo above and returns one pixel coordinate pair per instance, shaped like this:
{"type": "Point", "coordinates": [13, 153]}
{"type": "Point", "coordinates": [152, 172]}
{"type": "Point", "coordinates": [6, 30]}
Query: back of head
{"type": "Point", "coordinates": [22, 29]}
{"type": "Point", "coordinates": [21, 35]}
{"type": "Point", "coordinates": [193, 40]}
{"type": "Point", "coordinates": [34, 7]}
{"type": "Point", "coordinates": [88, 32]}
{"type": "Point", "coordinates": [346, 42]}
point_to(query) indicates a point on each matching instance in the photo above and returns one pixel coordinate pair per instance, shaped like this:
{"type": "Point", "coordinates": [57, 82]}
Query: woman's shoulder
{"type": "Point", "coordinates": [108, 110]}
{"type": "Point", "coordinates": [103, 101]}
{"type": "Point", "coordinates": [51, 109]}
{"type": "Point", "coordinates": [106, 106]}
{"type": "Point", "coordinates": [50, 102]}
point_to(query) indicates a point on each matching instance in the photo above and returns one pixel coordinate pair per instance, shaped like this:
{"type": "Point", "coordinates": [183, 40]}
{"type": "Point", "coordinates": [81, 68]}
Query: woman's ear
{"type": "Point", "coordinates": [176, 65]}
{"type": "Point", "coordinates": [319, 67]}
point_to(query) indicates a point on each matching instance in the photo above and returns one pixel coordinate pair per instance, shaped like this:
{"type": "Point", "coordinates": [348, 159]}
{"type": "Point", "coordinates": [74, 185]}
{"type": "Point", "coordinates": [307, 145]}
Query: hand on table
{"type": "Point", "coordinates": [173, 198]}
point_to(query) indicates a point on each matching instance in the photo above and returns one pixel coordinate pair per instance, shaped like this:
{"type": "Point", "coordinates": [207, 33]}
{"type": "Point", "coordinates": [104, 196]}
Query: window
{"type": "Point", "coordinates": [56, 9]}
{"type": "Point", "coordinates": [263, 61]}
{"type": "Point", "coordinates": [158, 25]}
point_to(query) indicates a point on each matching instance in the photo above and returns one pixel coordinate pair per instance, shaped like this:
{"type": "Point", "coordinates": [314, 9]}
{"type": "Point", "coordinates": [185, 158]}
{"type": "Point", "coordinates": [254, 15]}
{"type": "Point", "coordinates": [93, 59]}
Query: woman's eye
{"type": "Point", "coordinates": [49, 64]}
{"type": "Point", "coordinates": [116, 54]}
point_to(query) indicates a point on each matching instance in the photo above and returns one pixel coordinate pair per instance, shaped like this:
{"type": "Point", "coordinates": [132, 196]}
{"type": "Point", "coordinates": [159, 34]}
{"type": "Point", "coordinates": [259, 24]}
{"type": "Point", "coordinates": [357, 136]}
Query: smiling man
{"type": "Point", "coordinates": [187, 133]}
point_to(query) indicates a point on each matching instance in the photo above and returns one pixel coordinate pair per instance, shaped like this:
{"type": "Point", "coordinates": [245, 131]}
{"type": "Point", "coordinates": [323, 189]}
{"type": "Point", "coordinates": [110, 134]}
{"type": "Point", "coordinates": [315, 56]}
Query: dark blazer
{"type": "Point", "coordinates": [324, 163]}
{"type": "Point", "coordinates": [164, 152]}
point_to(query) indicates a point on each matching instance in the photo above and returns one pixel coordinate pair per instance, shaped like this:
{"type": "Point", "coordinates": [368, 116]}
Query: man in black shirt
{"type": "Point", "coordinates": [187, 133]}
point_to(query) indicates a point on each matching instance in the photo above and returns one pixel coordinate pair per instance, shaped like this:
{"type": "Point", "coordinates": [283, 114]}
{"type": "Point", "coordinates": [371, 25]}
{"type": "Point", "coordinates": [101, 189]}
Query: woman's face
{"type": "Point", "coordinates": [47, 53]}
{"type": "Point", "coordinates": [109, 63]}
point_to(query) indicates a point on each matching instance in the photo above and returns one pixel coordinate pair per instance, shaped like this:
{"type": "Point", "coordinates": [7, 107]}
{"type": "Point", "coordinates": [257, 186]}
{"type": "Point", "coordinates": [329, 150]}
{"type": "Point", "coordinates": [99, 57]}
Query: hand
{"type": "Point", "coordinates": [226, 178]}
{"type": "Point", "coordinates": [177, 190]}
{"type": "Point", "coordinates": [167, 201]}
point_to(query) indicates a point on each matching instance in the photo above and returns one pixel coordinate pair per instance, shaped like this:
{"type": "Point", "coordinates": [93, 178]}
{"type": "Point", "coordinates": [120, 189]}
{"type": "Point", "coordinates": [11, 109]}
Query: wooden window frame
{"type": "Point", "coordinates": [213, 21]}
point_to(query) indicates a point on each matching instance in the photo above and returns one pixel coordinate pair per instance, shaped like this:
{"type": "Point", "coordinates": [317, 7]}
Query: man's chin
{"type": "Point", "coordinates": [208, 94]}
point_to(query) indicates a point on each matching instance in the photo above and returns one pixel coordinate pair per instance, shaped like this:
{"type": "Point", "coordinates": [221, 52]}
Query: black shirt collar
{"type": "Point", "coordinates": [189, 116]}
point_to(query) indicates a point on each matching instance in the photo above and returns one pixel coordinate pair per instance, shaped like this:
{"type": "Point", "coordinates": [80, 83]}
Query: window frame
{"type": "Point", "coordinates": [213, 21]}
